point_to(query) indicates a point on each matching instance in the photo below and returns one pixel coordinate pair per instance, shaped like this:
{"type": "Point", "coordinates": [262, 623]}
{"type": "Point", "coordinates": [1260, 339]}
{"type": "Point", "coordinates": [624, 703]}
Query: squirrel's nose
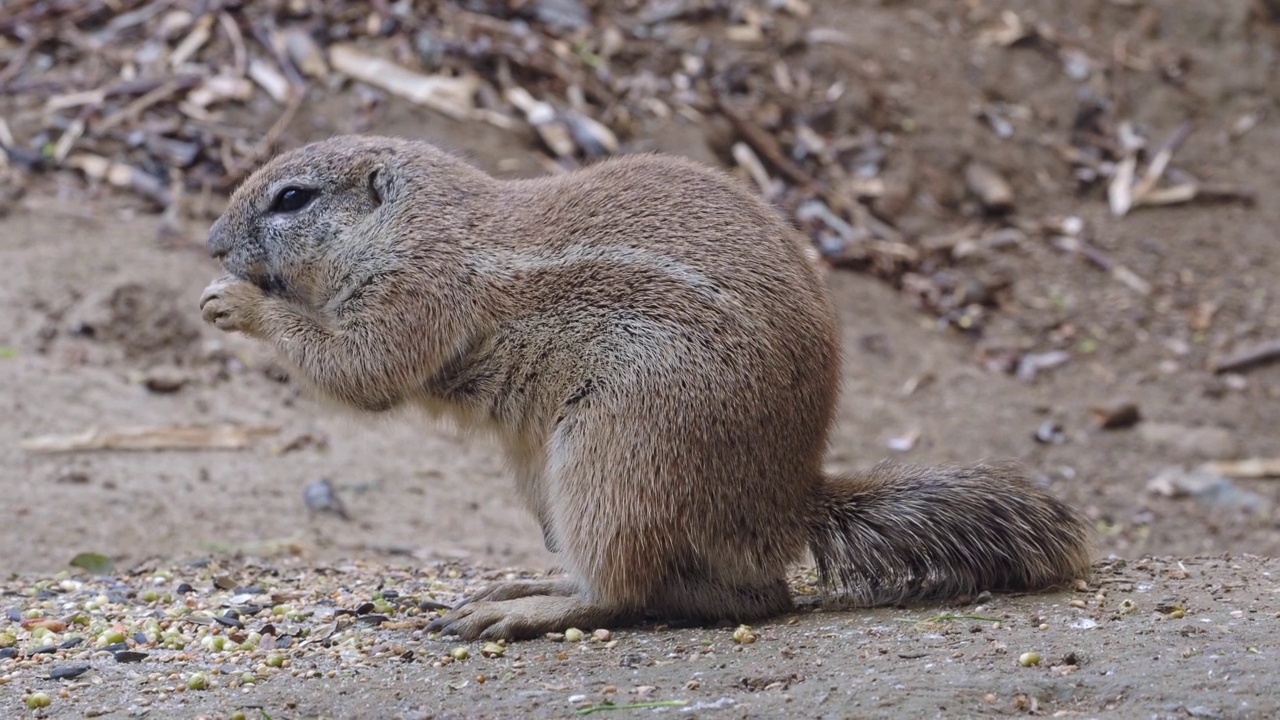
{"type": "Point", "coordinates": [218, 243]}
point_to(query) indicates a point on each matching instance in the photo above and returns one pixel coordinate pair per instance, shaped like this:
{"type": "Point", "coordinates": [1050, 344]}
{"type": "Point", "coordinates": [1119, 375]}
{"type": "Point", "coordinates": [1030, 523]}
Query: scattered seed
{"type": "Point", "coordinates": [68, 672]}
{"type": "Point", "coordinates": [1029, 659]}
{"type": "Point", "coordinates": [37, 700]}
{"type": "Point", "coordinates": [573, 635]}
{"type": "Point", "coordinates": [744, 635]}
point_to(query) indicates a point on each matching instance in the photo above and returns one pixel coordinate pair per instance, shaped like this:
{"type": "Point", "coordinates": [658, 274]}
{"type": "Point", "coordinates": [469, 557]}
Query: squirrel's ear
{"type": "Point", "coordinates": [379, 184]}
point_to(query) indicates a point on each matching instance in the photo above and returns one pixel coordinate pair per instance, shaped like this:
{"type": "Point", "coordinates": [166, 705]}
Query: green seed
{"type": "Point", "coordinates": [275, 660]}
{"type": "Point", "coordinates": [7, 640]}
{"type": "Point", "coordinates": [1128, 607]}
{"type": "Point", "coordinates": [573, 635]}
{"type": "Point", "coordinates": [198, 681]}
{"type": "Point", "coordinates": [493, 649]}
{"type": "Point", "coordinates": [150, 596]}
{"type": "Point", "coordinates": [459, 653]}
{"type": "Point", "coordinates": [110, 637]}
{"type": "Point", "coordinates": [1028, 659]}
{"type": "Point", "coordinates": [38, 700]}
{"type": "Point", "coordinates": [744, 635]}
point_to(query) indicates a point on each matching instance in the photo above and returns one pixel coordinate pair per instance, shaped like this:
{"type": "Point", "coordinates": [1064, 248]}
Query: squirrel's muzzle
{"type": "Point", "coordinates": [220, 241]}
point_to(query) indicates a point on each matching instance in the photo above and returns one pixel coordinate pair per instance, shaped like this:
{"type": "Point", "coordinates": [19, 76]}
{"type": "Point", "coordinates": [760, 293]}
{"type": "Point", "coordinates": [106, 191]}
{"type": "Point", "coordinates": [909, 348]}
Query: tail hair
{"type": "Point", "coordinates": [901, 533]}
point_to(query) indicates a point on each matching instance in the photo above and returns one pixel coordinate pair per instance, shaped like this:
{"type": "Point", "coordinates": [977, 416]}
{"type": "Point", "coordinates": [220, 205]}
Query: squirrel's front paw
{"type": "Point", "coordinates": [231, 304]}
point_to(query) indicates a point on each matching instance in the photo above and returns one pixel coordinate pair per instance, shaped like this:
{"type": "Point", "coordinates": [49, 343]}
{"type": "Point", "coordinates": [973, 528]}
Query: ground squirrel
{"type": "Point", "coordinates": [656, 354]}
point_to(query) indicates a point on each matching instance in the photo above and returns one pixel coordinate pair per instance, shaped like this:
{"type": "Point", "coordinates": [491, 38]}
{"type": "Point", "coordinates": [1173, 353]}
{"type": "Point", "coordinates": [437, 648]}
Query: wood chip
{"type": "Point", "coordinates": [1116, 416]}
{"type": "Point", "coordinates": [208, 437]}
{"type": "Point", "coordinates": [451, 96]}
{"type": "Point", "coordinates": [993, 191]}
{"type": "Point", "coordinates": [1249, 357]}
{"type": "Point", "coordinates": [269, 79]}
{"type": "Point", "coordinates": [1250, 469]}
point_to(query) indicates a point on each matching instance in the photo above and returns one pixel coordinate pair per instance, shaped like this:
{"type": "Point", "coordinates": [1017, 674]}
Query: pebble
{"type": "Point", "coordinates": [164, 381]}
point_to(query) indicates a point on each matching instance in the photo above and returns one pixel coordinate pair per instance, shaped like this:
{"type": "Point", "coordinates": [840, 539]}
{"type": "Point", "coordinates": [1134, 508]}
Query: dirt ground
{"type": "Point", "coordinates": [99, 329]}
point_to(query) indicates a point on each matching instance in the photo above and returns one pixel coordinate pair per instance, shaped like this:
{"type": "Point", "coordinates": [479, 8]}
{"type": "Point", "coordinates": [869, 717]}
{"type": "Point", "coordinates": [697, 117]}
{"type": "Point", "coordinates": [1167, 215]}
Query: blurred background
{"type": "Point", "coordinates": [1050, 229]}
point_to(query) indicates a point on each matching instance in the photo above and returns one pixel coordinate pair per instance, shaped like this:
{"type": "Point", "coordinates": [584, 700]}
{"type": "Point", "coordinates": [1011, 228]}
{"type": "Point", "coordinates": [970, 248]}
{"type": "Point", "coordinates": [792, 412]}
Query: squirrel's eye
{"type": "Point", "coordinates": [292, 199]}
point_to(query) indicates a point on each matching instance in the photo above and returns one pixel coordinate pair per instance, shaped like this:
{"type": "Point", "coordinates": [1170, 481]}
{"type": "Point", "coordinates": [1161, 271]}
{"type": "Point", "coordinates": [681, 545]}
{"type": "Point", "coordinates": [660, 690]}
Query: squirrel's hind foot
{"type": "Point", "coordinates": [522, 588]}
{"type": "Point", "coordinates": [523, 618]}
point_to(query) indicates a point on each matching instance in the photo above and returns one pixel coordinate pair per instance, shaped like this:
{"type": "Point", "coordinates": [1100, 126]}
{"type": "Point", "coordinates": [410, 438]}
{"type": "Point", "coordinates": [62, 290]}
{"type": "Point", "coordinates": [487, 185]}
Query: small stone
{"type": "Point", "coordinates": [1050, 433]}
{"type": "Point", "coordinates": [565, 14]}
{"type": "Point", "coordinates": [164, 381]}
{"type": "Point", "coordinates": [320, 496]}
{"type": "Point", "coordinates": [602, 635]}
{"type": "Point", "coordinates": [130, 656]}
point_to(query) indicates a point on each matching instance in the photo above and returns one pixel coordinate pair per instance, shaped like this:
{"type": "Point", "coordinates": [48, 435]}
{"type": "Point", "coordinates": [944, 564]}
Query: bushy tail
{"type": "Point", "coordinates": [899, 533]}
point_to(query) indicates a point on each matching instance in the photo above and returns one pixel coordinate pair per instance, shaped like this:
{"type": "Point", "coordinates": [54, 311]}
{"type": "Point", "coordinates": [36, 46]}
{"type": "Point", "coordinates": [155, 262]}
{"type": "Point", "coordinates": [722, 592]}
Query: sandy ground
{"type": "Point", "coordinates": [96, 308]}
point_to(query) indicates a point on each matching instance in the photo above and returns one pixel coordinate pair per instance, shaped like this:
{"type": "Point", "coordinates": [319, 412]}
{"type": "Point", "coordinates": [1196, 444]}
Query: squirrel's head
{"type": "Point", "coordinates": [285, 218]}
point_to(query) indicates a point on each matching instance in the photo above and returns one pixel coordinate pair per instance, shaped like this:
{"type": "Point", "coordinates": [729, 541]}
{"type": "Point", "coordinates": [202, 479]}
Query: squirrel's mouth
{"type": "Point", "coordinates": [259, 273]}
{"type": "Point", "coordinates": [270, 283]}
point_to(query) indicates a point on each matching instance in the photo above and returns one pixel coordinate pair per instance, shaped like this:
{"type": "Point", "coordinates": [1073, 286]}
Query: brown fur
{"type": "Point", "coordinates": [657, 356]}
